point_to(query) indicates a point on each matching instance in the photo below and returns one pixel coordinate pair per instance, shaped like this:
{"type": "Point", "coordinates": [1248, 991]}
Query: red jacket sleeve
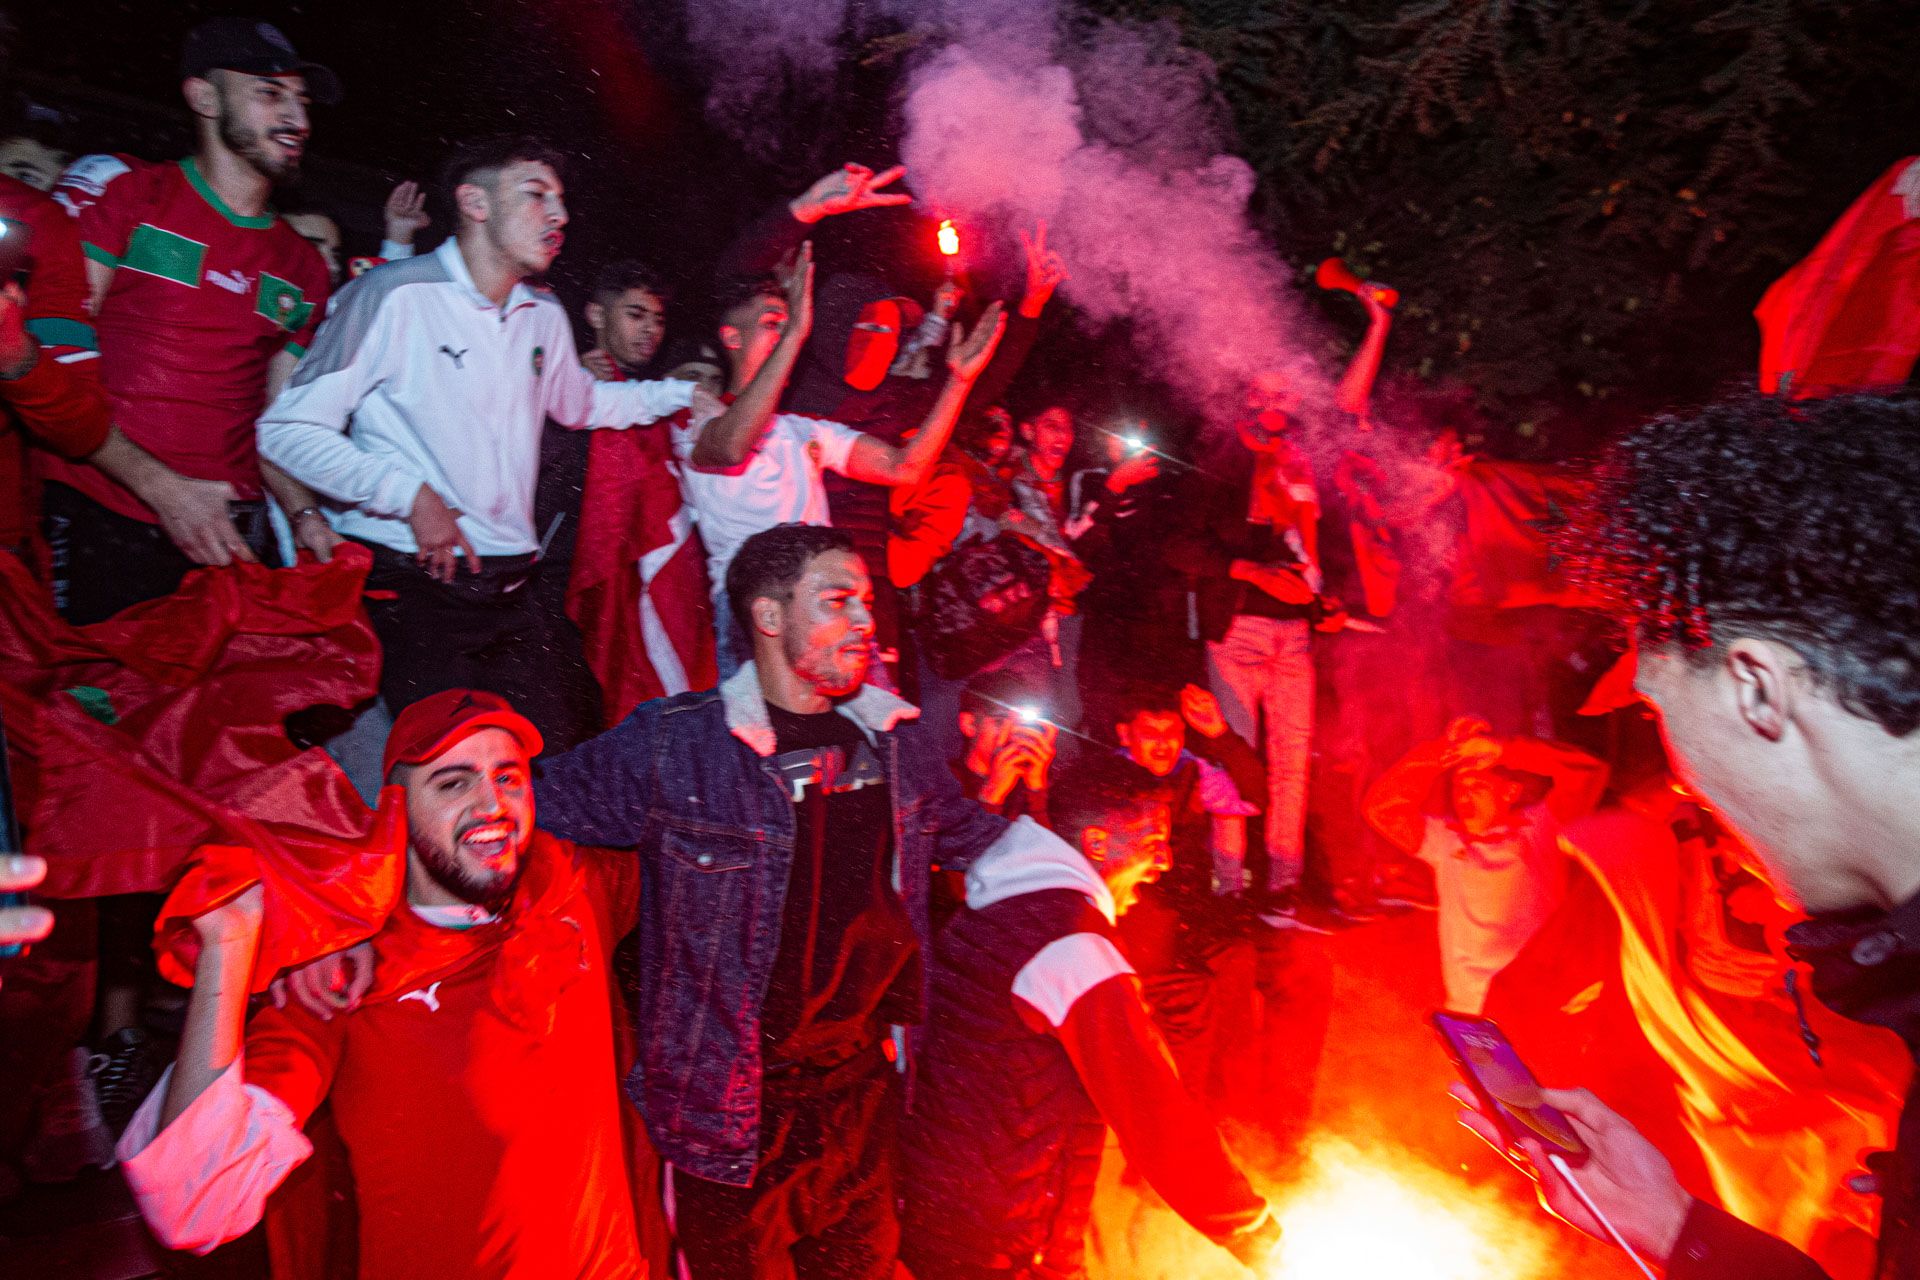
{"type": "Point", "coordinates": [1126, 1068]}
{"type": "Point", "coordinates": [294, 1056]}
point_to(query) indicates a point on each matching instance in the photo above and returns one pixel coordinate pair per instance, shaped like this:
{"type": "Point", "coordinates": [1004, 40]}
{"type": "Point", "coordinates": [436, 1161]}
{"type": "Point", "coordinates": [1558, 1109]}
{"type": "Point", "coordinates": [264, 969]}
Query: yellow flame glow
{"type": "Point", "coordinates": [1387, 1215]}
{"type": "Point", "coordinates": [949, 237]}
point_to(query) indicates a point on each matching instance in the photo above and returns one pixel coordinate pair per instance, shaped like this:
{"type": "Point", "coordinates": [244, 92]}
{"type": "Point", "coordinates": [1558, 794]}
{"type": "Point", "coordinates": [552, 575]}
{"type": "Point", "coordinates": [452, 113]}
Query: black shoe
{"type": "Point", "coordinates": [125, 1071]}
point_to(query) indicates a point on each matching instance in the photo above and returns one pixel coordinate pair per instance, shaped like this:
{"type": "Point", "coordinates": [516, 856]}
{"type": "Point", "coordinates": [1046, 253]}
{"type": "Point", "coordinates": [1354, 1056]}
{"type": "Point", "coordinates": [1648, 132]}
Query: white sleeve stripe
{"type": "Point", "coordinates": [1066, 969]}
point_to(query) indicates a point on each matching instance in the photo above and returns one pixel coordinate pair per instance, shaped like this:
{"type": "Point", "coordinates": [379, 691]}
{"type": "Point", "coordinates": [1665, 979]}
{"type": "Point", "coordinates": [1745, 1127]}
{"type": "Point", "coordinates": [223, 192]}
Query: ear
{"type": "Point", "coordinates": [766, 616]}
{"type": "Point", "coordinates": [1123, 731]}
{"type": "Point", "coordinates": [731, 338]}
{"type": "Point", "coordinates": [1027, 432]}
{"type": "Point", "coordinates": [596, 316]}
{"type": "Point", "coordinates": [472, 201]}
{"type": "Point", "coordinates": [1763, 675]}
{"type": "Point", "coordinates": [202, 95]}
{"type": "Point", "coordinates": [1093, 843]}
{"type": "Point", "coordinates": [969, 724]}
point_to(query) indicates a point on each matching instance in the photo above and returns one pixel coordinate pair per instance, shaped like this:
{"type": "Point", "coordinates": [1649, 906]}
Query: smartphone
{"type": "Point", "coordinates": [1507, 1091]}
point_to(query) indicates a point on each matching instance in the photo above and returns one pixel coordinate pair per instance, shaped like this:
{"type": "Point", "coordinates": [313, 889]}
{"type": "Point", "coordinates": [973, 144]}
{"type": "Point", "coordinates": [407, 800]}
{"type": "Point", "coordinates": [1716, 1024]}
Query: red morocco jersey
{"type": "Point", "coordinates": [202, 300]}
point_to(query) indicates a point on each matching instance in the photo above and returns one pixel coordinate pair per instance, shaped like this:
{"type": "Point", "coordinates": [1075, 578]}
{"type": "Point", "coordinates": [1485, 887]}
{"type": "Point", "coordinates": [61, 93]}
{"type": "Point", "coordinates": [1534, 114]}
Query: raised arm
{"type": "Point", "coordinates": [876, 462]}
{"type": "Point", "coordinates": [1395, 803]}
{"type": "Point", "coordinates": [206, 1149]}
{"type": "Point", "coordinates": [1356, 387]}
{"type": "Point", "coordinates": [729, 439]}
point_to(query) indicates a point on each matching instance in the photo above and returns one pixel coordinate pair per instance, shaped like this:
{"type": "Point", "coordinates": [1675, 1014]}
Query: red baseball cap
{"type": "Point", "coordinates": [435, 723]}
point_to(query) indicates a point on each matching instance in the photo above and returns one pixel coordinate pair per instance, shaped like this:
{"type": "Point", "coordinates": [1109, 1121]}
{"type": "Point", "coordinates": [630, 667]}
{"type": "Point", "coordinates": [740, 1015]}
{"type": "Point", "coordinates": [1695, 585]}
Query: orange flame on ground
{"type": "Point", "coordinates": [949, 238]}
{"type": "Point", "coordinates": [1385, 1214]}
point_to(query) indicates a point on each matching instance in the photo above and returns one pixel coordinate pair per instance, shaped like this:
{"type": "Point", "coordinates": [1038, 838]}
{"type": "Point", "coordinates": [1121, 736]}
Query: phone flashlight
{"type": "Point", "coordinates": [1028, 715]}
{"type": "Point", "coordinates": [1134, 444]}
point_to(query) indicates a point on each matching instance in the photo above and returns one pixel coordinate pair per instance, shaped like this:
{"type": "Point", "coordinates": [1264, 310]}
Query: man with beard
{"type": "Point", "coordinates": [787, 825]}
{"type": "Point", "coordinates": [203, 299]}
{"type": "Point", "coordinates": [419, 414]}
{"type": "Point", "coordinates": [474, 1086]}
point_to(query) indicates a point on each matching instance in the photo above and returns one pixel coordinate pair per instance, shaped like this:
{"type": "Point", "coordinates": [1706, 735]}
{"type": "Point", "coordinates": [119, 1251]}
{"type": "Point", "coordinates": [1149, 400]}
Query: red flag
{"type": "Point", "coordinates": [639, 585]}
{"type": "Point", "coordinates": [140, 738]}
{"type": "Point", "coordinates": [1514, 511]}
{"type": "Point", "coordinates": [1847, 316]}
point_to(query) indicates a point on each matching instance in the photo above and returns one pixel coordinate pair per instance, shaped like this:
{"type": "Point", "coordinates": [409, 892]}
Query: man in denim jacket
{"type": "Point", "coordinates": [787, 823]}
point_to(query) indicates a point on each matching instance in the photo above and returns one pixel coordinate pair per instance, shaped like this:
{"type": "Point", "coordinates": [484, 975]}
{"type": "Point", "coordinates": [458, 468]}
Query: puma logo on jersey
{"type": "Point", "coordinates": [453, 355]}
{"type": "Point", "coordinates": [428, 996]}
{"type": "Point", "coordinates": [231, 281]}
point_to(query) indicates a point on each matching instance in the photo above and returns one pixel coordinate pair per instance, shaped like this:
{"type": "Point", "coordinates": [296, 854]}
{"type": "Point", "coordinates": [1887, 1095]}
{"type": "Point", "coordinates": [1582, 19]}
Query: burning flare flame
{"type": "Point", "coordinates": [1385, 1214]}
{"type": "Point", "coordinates": [949, 238]}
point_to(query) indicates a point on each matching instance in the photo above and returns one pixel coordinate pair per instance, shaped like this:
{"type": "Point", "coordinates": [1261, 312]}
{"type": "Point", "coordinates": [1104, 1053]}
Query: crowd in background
{"type": "Point", "coordinates": [1337, 652]}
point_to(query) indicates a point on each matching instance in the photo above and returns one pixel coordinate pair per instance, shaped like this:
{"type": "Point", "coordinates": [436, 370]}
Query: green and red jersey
{"type": "Point", "coordinates": [58, 405]}
{"type": "Point", "coordinates": [202, 299]}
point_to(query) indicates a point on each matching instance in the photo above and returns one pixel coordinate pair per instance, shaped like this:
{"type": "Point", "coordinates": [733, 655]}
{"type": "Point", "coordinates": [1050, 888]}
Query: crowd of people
{"type": "Point", "coordinates": [817, 786]}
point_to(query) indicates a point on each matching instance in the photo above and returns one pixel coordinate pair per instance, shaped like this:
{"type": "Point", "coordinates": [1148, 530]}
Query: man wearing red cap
{"type": "Point", "coordinates": [474, 1086]}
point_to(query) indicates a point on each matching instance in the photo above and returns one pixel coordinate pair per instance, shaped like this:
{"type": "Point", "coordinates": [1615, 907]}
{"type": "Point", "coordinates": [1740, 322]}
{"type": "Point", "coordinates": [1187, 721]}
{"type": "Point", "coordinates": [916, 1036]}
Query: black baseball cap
{"type": "Point", "coordinates": [256, 47]}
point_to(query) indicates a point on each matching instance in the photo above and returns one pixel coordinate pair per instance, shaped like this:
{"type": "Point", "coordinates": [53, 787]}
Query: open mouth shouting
{"type": "Point", "coordinates": [491, 843]}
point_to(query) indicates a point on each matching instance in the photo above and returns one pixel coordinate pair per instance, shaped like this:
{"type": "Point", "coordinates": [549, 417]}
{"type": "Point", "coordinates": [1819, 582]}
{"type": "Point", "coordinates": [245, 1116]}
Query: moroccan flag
{"type": "Point", "coordinates": [138, 739]}
{"type": "Point", "coordinates": [1514, 511]}
{"type": "Point", "coordinates": [639, 587]}
{"type": "Point", "coordinates": [1847, 316]}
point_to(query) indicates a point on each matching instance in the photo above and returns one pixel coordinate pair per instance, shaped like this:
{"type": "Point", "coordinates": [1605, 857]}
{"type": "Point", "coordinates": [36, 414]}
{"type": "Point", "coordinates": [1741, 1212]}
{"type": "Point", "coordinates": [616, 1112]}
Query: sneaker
{"type": "Point", "coordinates": [125, 1074]}
{"type": "Point", "coordinates": [1283, 910]}
{"type": "Point", "coordinates": [71, 1135]}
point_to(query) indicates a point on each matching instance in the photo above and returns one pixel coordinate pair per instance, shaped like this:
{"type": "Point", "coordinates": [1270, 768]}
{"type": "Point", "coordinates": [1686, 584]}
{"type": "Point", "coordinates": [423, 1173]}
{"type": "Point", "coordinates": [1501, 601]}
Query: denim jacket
{"type": "Point", "coordinates": [688, 783]}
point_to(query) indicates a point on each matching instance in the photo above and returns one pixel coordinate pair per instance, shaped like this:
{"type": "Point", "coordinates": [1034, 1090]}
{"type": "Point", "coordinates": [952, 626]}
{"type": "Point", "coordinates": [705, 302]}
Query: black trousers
{"type": "Point", "coordinates": [480, 631]}
{"type": "Point", "coordinates": [104, 562]}
{"type": "Point", "coordinates": [821, 1206]}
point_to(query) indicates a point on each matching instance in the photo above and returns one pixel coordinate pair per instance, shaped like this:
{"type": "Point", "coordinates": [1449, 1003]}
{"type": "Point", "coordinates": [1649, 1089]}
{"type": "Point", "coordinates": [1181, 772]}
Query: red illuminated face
{"type": "Point", "coordinates": [1049, 440]}
{"type": "Point", "coordinates": [1484, 798]}
{"type": "Point", "coordinates": [1154, 740]}
{"type": "Point", "coordinates": [470, 817]}
{"type": "Point", "coordinates": [1131, 855]}
{"type": "Point", "coordinates": [874, 343]}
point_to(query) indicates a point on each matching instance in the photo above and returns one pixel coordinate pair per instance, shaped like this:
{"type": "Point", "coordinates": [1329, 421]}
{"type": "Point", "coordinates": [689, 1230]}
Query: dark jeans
{"type": "Point", "coordinates": [104, 562]}
{"type": "Point", "coordinates": [480, 631]}
{"type": "Point", "coordinates": [821, 1206]}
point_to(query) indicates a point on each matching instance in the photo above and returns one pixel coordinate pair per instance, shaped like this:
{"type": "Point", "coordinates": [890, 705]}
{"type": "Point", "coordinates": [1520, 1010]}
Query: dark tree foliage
{"type": "Point", "coordinates": [1580, 200]}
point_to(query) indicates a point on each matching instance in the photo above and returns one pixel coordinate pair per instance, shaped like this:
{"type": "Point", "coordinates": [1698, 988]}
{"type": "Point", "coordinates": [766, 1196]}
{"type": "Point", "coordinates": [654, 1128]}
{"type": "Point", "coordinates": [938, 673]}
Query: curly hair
{"type": "Point", "coordinates": [1793, 521]}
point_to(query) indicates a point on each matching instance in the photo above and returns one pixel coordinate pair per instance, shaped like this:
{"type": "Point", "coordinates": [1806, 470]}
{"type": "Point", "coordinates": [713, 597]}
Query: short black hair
{"type": "Point", "coordinates": [1097, 796]}
{"type": "Point", "coordinates": [1150, 697]}
{"type": "Point", "coordinates": [1793, 521]}
{"type": "Point", "coordinates": [479, 160]}
{"type": "Point", "coordinates": [629, 273]}
{"type": "Point", "coordinates": [731, 292]}
{"type": "Point", "coordinates": [770, 562]}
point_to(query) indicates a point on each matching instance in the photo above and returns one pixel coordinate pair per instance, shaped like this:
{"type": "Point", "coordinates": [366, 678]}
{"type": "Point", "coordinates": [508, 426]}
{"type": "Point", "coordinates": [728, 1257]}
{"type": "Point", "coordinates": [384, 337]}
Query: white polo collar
{"type": "Point", "coordinates": [455, 262]}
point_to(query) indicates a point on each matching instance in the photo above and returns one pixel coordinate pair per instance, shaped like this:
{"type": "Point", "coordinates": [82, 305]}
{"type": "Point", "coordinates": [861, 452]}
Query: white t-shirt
{"type": "Point", "coordinates": [1495, 893]}
{"type": "Point", "coordinates": [779, 483]}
